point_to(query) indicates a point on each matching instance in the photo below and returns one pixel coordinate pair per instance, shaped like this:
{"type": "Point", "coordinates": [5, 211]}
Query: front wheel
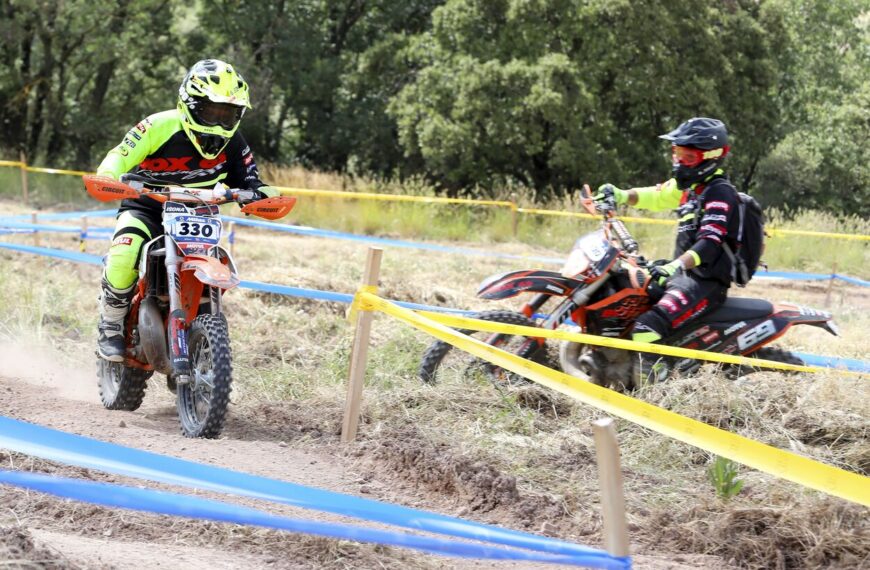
{"type": "Point", "coordinates": [441, 357]}
{"type": "Point", "coordinates": [202, 403]}
{"type": "Point", "coordinates": [121, 387]}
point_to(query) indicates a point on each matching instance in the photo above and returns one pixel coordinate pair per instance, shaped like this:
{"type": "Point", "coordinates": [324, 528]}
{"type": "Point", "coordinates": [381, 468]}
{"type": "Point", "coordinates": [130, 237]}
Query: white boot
{"type": "Point", "coordinates": [114, 304]}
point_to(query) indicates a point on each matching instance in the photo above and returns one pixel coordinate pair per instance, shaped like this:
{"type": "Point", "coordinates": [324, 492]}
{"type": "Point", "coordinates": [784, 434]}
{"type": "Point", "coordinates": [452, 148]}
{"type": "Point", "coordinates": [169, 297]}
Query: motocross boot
{"type": "Point", "coordinates": [114, 304]}
{"type": "Point", "coordinates": [651, 369]}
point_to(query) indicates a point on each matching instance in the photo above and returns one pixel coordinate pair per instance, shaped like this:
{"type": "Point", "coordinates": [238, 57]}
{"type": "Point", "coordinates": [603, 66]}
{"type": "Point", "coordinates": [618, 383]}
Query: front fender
{"type": "Point", "coordinates": [210, 271]}
{"type": "Point", "coordinates": [512, 283]}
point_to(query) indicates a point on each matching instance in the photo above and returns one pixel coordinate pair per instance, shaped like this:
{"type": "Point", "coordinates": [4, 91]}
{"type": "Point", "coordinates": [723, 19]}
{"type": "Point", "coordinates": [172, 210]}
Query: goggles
{"type": "Point", "coordinates": [692, 157]}
{"type": "Point", "coordinates": [223, 115]}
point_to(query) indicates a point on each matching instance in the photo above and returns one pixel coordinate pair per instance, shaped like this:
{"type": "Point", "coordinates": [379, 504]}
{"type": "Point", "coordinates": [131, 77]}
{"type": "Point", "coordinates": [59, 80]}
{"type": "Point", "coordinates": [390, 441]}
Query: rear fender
{"type": "Point", "coordinates": [511, 284]}
{"type": "Point", "coordinates": [745, 337]}
{"type": "Point", "coordinates": [800, 315]}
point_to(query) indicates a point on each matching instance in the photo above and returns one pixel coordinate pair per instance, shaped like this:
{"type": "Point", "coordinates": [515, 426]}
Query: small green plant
{"type": "Point", "coordinates": [723, 475]}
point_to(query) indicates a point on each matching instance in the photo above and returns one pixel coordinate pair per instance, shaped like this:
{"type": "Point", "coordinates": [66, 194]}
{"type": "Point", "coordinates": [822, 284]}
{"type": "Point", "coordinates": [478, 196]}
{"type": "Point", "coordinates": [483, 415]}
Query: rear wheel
{"type": "Point", "coordinates": [766, 353]}
{"type": "Point", "coordinates": [202, 403]}
{"type": "Point", "coordinates": [121, 387]}
{"type": "Point", "coordinates": [441, 358]}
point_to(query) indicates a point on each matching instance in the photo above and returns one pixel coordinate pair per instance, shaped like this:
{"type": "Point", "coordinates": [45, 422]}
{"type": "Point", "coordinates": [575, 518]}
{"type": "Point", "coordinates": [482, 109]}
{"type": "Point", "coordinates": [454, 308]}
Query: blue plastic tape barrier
{"type": "Point", "coordinates": [852, 280]}
{"type": "Point", "coordinates": [76, 450]}
{"type": "Point", "coordinates": [347, 298]}
{"type": "Point", "coordinates": [65, 215]}
{"type": "Point", "coordinates": [100, 233]}
{"type": "Point", "coordinates": [174, 504]}
{"type": "Point", "coordinates": [59, 253]}
{"type": "Point", "coordinates": [793, 275]}
{"type": "Point", "coordinates": [254, 285]}
{"type": "Point", "coordinates": [834, 362]}
{"type": "Point", "coordinates": [307, 231]}
{"type": "Point", "coordinates": [337, 297]}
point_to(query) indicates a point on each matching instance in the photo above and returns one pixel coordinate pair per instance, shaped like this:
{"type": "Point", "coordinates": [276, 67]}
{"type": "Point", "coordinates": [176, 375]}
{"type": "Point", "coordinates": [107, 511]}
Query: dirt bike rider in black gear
{"type": "Point", "coordinates": [196, 144]}
{"type": "Point", "coordinates": [697, 280]}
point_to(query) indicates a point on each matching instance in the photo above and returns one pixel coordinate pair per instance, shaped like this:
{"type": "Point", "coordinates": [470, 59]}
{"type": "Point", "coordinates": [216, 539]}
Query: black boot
{"type": "Point", "coordinates": [651, 369]}
{"type": "Point", "coordinates": [114, 304]}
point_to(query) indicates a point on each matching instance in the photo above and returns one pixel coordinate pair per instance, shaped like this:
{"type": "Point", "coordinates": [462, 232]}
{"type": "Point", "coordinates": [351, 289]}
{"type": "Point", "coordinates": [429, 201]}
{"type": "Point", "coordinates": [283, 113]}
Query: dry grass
{"type": "Point", "coordinates": [521, 454]}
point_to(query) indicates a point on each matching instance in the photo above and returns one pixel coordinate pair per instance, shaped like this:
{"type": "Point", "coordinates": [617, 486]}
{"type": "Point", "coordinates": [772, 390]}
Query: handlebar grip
{"type": "Point", "coordinates": [628, 242]}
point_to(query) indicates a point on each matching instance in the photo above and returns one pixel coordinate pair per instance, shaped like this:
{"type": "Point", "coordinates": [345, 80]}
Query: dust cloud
{"type": "Point", "coordinates": [42, 365]}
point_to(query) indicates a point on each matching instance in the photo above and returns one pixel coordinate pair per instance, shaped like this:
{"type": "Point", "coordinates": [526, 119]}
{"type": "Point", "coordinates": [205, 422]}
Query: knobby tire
{"type": "Point", "coordinates": [213, 331]}
{"type": "Point", "coordinates": [438, 350]}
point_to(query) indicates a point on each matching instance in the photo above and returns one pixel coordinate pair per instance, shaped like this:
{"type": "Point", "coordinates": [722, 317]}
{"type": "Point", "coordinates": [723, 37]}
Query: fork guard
{"type": "Point", "coordinates": [210, 271]}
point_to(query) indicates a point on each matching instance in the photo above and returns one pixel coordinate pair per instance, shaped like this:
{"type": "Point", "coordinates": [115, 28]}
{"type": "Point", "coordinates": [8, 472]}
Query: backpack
{"type": "Point", "coordinates": [746, 258]}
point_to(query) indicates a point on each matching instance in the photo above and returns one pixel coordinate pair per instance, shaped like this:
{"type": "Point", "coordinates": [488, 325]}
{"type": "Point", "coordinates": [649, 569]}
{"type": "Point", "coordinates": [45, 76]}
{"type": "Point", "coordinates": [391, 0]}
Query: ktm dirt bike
{"type": "Point", "coordinates": [602, 288]}
{"type": "Point", "coordinates": [175, 324]}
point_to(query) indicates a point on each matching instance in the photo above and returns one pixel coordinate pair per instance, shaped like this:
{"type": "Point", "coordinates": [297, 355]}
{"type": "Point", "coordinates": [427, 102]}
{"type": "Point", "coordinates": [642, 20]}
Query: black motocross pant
{"type": "Point", "coordinates": [685, 299]}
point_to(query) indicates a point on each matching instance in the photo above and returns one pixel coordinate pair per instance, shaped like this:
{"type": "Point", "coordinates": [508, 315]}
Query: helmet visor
{"type": "Point", "coordinates": [692, 157]}
{"type": "Point", "coordinates": [223, 115]}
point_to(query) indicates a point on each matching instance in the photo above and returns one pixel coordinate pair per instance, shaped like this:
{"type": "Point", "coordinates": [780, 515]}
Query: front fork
{"type": "Point", "coordinates": [176, 331]}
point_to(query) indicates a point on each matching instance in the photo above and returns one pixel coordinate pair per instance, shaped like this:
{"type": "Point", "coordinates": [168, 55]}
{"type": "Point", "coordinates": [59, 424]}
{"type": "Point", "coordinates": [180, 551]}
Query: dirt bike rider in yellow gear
{"type": "Point", "coordinates": [197, 145]}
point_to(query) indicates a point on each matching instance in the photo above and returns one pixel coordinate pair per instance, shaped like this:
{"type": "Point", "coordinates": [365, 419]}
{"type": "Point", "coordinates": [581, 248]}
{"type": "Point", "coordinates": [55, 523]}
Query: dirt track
{"type": "Point", "coordinates": [58, 534]}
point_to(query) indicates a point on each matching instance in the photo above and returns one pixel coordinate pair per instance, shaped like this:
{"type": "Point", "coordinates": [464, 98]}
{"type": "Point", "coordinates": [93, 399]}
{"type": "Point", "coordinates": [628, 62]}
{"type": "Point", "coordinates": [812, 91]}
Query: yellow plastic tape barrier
{"type": "Point", "coordinates": [456, 321]}
{"type": "Point", "coordinates": [813, 474]}
{"type": "Point", "coordinates": [41, 169]}
{"type": "Point", "coordinates": [285, 190]}
{"type": "Point", "coordinates": [358, 304]}
{"type": "Point", "coordinates": [591, 217]}
{"type": "Point", "coordinates": [289, 191]}
{"type": "Point", "coordinates": [771, 231]}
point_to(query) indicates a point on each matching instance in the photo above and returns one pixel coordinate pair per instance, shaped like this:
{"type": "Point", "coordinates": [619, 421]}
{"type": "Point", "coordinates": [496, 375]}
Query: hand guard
{"type": "Point", "coordinates": [660, 274]}
{"type": "Point", "coordinates": [610, 194]}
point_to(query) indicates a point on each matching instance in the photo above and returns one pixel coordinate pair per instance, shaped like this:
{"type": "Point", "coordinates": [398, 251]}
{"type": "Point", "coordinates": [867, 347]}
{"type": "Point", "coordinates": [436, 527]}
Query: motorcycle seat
{"type": "Point", "coordinates": [738, 309]}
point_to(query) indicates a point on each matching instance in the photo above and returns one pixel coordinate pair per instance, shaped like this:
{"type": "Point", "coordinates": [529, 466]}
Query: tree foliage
{"type": "Point", "coordinates": [471, 94]}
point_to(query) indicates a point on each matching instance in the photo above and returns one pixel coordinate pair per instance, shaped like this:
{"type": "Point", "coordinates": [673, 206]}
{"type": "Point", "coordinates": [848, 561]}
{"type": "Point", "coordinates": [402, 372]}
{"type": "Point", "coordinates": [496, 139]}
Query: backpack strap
{"type": "Point", "coordinates": [739, 270]}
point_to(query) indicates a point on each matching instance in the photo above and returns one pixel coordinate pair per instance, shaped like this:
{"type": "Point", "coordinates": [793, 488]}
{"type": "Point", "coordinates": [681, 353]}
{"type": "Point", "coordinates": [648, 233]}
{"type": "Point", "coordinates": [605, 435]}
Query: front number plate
{"type": "Point", "coordinates": [195, 229]}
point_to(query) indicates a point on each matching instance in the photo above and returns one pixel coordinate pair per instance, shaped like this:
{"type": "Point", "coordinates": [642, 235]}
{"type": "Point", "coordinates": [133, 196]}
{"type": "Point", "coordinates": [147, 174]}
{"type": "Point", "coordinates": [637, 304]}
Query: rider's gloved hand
{"type": "Point", "coordinates": [261, 193]}
{"type": "Point", "coordinates": [606, 190]}
{"type": "Point", "coordinates": [660, 274]}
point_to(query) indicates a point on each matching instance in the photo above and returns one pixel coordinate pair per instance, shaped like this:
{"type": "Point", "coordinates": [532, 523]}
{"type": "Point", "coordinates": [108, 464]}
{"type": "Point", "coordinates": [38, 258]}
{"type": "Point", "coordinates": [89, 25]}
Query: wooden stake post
{"type": "Point", "coordinates": [34, 220]}
{"type": "Point", "coordinates": [84, 234]}
{"type": "Point", "coordinates": [359, 353]}
{"type": "Point", "coordinates": [24, 190]}
{"type": "Point", "coordinates": [610, 480]}
{"type": "Point", "coordinates": [830, 285]}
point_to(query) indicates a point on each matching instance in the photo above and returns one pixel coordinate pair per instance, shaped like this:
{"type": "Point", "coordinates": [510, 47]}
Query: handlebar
{"type": "Point", "coordinates": [219, 194]}
{"type": "Point", "coordinates": [607, 208]}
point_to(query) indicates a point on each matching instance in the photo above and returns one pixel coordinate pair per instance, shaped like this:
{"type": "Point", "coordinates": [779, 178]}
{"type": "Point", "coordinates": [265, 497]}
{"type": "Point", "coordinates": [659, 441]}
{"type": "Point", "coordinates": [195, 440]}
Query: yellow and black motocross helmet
{"type": "Point", "coordinates": [211, 102]}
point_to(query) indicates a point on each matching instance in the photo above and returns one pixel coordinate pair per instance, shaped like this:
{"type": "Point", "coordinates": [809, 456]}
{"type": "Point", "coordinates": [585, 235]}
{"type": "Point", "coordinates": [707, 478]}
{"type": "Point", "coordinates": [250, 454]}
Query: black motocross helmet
{"type": "Point", "coordinates": [699, 147]}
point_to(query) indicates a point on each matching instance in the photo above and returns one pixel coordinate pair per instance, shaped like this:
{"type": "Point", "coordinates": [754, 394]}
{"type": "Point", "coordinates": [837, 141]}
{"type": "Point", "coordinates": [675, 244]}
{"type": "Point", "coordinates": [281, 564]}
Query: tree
{"type": "Point", "coordinates": [80, 73]}
{"type": "Point", "coordinates": [821, 160]}
{"type": "Point", "coordinates": [321, 73]}
{"type": "Point", "coordinates": [555, 92]}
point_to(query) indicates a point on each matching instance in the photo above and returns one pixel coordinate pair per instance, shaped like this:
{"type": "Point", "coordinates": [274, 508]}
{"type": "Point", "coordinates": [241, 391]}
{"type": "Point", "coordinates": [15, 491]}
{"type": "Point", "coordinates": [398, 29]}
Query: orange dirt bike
{"type": "Point", "coordinates": [175, 325]}
{"type": "Point", "coordinates": [602, 288]}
